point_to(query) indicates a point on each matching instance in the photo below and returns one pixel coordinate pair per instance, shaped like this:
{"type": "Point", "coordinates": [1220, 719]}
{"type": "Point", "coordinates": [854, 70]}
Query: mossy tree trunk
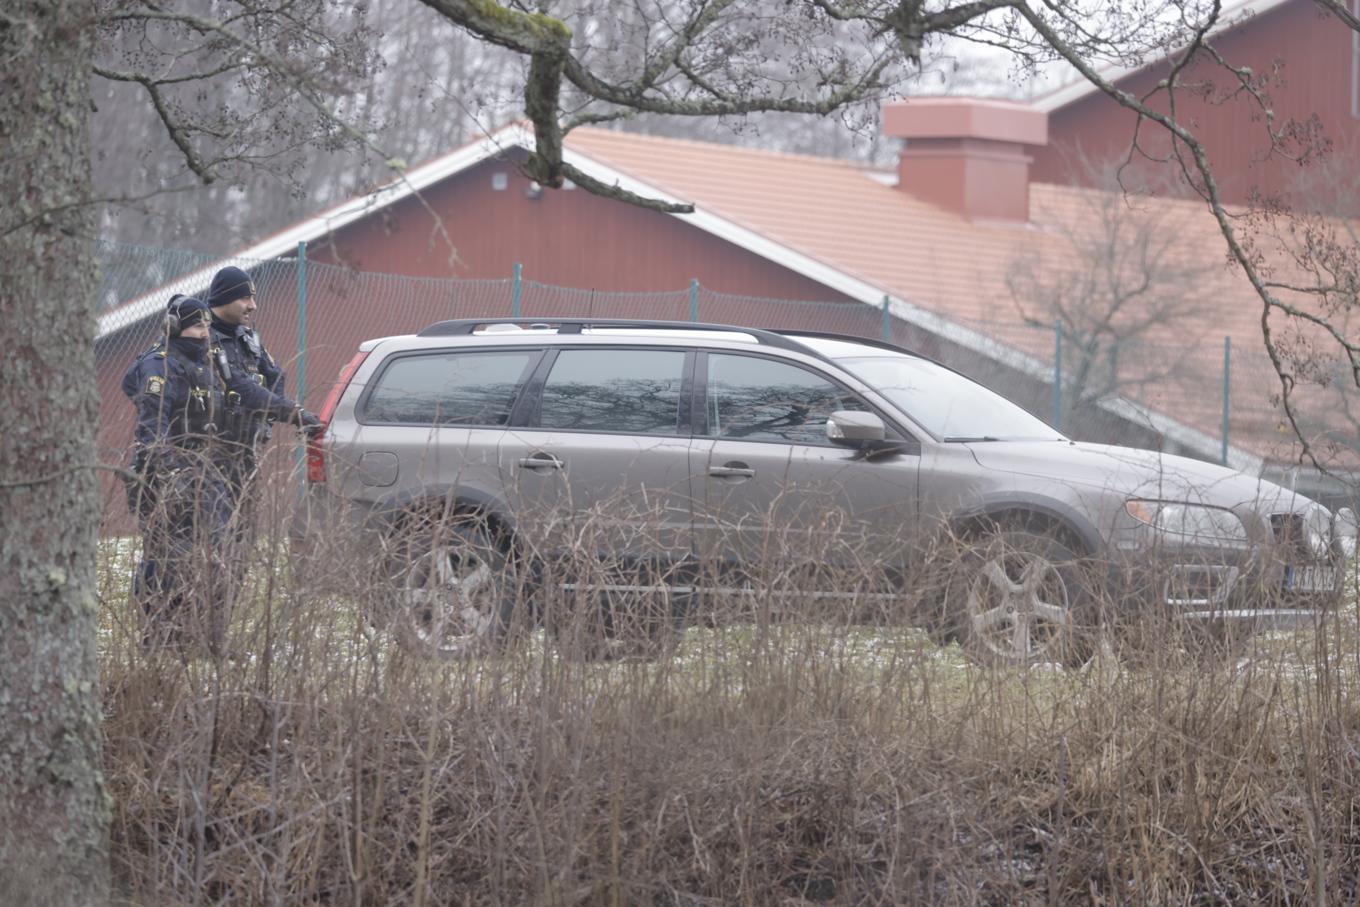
{"type": "Point", "coordinates": [54, 810]}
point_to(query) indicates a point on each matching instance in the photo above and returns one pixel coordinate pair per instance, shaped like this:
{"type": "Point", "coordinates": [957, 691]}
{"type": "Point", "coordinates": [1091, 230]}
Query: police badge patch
{"type": "Point", "coordinates": [155, 384]}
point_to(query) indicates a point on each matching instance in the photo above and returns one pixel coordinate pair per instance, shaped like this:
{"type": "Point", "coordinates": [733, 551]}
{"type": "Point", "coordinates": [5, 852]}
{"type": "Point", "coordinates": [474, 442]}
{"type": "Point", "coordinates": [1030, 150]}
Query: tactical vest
{"type": "Point", "coordinates": [205, 405]}
{"type": "Point", "coordinates": [247, 427]}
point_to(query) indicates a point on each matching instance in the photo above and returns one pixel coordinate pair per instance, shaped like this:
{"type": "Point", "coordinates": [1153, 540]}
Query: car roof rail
{"type": "Point", "coordinates": [467, 326]}
{"type": "Point", "coordinates": [849, 338]}
{"type": "Point", "coordinates": [780, 338]}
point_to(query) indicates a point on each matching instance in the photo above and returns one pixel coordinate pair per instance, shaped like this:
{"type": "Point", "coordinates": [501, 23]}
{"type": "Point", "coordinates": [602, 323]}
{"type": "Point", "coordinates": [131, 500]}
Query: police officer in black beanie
{"type": "Point", "coordinates": [232, 300]}
{"type": "Point", "coordinates": [256, 390]}
{"type": "Point", "coordinates": [180, 497]}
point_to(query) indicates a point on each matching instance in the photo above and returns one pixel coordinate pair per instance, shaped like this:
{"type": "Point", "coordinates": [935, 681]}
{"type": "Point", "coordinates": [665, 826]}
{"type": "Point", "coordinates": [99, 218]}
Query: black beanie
{"type": "Point", "coordinates": [185, 311]}
{"type": "Point", "coordinates": [229, 285]}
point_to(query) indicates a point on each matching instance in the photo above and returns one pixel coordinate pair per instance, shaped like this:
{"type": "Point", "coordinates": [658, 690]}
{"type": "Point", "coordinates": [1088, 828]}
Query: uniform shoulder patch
{"type": "Point", "coordinates": [155, 384]}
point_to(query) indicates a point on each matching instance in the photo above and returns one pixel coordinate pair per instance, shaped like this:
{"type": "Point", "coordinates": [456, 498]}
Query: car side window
{"type": "Point", "coordinates": [755, 399]}
{"type": "Point", "coordinates": [618, 390]}
{"type": "Point", "coordinates": [452, 388]}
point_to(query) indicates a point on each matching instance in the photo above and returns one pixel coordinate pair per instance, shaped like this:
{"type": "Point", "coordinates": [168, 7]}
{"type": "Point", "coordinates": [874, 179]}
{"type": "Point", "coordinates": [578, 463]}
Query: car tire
{"type": "Point", "coordinates": [1020, 598]}
{"type": "Point", "coordinates": [455, 589]}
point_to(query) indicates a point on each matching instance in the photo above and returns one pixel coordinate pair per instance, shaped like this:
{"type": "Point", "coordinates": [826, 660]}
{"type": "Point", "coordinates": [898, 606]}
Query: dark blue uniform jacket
{"type": "Point", "coordinates": [159, 378]}
{"type": "Point", "coordinates": [180, 400]}
{"type": "Point", "coordinates": [250, 364]}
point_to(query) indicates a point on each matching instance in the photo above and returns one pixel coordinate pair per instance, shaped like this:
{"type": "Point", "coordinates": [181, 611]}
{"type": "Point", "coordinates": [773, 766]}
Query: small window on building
{"type": "Point", "coordinates": [473, 388]}
{"type": "Point", "coordinates": [754, 399]}
{"type": "Point", "coordinates": [499, 181]}
{"type": "Point", "coordinates": [614, 390]}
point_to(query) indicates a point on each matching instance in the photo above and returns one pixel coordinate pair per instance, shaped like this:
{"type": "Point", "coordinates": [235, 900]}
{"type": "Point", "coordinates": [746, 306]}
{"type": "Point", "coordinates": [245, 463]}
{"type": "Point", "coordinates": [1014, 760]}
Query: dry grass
{"type": "Point", "coordinates": [787, 753]}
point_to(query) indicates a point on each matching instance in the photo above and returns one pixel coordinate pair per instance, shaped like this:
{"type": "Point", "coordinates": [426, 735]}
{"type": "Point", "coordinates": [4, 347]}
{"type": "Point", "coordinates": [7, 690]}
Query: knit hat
{"type": "Point", "coordinates": [185, 311]}
{"type": "Point", "coordinates": [229, 285]}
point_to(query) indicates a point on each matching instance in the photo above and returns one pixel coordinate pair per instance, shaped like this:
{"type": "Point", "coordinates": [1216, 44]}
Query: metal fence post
{"type": "Point", "coordinates": [886, 328]}
{"type": "Point", "coordinates": [1057, 375]}
{"type": "Point", "coordinates": [514, 293]}
{"type": "Point", "coordinates": [301, 351]}
{"type": "Point", "coordinates": [301, 319]}
{"type": "Point", "coordinates": [1227, 392]}
{"type": "Point", "coordinates": [694, 299]}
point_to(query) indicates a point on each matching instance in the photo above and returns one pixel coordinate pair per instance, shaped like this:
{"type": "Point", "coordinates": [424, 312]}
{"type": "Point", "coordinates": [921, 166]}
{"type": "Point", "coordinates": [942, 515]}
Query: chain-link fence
{"type": "Point", "coordinates": [1198, 397]}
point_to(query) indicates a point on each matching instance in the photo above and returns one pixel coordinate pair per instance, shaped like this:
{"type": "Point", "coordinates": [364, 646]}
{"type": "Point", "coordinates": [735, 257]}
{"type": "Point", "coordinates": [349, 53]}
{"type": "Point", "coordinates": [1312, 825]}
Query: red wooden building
{"type": "Point", "coordinates": [1305, 61]}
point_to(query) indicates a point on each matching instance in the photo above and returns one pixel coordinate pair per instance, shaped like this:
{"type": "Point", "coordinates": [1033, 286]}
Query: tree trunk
{"type": "Point", "coordinates": [54, 810]}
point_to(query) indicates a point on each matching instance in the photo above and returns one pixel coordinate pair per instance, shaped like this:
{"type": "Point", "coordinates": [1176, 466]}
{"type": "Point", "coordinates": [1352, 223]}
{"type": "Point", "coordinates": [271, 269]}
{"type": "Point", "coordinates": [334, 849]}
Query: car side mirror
{"type": "Point", "coordinates": [860, 430]}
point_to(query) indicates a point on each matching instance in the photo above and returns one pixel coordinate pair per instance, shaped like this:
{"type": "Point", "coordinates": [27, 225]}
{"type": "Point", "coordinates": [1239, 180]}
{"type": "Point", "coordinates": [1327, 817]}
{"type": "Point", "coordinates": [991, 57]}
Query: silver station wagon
{"type": "Point", "coordinates": [714, 455]}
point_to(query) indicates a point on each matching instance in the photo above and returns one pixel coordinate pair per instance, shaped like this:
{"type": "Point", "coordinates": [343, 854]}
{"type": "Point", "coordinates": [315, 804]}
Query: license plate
{"type": "Point", "coordinates": [1313, 578]}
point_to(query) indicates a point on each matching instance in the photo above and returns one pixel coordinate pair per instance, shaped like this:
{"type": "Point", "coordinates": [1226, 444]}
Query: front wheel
{"type": "Point", "coordinates": [1019, 600]}
{"type": "Point", "coordinates": [455, 591]}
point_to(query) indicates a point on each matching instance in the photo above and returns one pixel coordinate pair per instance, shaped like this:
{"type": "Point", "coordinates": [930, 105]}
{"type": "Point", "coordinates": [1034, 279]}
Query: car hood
{"type": "Point", "coordinates": [1135, 473]}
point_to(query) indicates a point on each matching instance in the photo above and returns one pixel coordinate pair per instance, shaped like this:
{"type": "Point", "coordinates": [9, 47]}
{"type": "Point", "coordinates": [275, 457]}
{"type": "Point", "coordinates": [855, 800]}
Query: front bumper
{"type": "Point", "coordinates": [1241, 587]}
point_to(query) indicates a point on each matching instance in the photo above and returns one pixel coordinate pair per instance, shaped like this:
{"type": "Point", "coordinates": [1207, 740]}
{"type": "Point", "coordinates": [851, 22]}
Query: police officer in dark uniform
{"type": "Point", "coordinates": [256, 396]}
{"type": "Point", "coordinates": [188, 362]}
{"type": "Point", "coordinates": [255, 399]}
{"type": "Point", "coordinates": [181, 497]}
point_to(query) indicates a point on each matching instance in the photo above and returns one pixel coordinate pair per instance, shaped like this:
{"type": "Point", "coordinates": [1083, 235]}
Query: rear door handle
{"type": "Point", "coordinates": [541, 461]}
{"type": "Point", "coordinates": [732, 471]}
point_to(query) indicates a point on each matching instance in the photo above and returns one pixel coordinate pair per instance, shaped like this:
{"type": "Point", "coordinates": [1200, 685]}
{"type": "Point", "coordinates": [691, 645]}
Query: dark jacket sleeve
{"type": "Point", "coordinates": [133, 377]}
{"type": "Point", "coordinates": [274, 378]}
{"type": "Point", "coordinates": [255, 398]}
{"type": "Point", "coordinates": [157, 394]}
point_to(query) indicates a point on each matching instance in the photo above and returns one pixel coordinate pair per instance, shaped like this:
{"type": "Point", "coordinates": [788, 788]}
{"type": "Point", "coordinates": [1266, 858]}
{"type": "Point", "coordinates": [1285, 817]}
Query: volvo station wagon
{"type": "Point", "coordinates": [713, 454]}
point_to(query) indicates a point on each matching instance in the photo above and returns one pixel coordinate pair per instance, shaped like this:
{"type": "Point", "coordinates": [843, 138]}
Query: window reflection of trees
{"type": "Point", "coordinates": [486, 404]}
{"type": "Point", "coordinates": [770, 401]}
{"type": "Point", "coordinates": [638, 405]}
{"type": "Point", "coordinates": [468, 389]}
{"type": "Point", "coordinates": [635, 391]}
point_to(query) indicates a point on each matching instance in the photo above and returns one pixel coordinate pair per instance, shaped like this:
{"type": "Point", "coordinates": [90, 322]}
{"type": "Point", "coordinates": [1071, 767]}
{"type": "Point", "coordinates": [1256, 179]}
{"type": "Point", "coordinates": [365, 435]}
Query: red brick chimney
{"type": "Point", "coordinates": [967, 154]}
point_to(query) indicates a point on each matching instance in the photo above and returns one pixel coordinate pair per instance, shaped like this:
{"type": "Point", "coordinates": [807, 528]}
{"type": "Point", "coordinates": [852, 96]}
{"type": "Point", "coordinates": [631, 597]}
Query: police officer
{"type": "Point", "coordinates": [232, 300]}
{"type": "Point", "coordinates": [181, 497]}
{"type": "Point", "coordinates": [255, 398]}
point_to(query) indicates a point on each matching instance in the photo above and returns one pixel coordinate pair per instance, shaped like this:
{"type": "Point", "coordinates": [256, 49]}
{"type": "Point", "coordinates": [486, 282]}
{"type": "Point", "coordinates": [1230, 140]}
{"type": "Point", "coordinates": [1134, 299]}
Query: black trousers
{"type": "Point", "coordinates": [185, 518]}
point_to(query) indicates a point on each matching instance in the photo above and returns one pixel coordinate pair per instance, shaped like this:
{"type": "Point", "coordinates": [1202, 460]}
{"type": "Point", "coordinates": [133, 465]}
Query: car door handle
{"type": "Point", "coordinates": [732, 471]}
{"type": "Point", "coordinates": [541, 461]}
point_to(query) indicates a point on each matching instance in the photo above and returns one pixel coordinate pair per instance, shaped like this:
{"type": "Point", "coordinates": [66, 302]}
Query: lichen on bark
{"type": "Point", "coordinates": [53, 805]}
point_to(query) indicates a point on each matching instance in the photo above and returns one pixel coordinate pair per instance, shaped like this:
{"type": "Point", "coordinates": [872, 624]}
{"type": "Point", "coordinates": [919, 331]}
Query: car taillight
{"type": "Point", "coordinates": [316, 454]}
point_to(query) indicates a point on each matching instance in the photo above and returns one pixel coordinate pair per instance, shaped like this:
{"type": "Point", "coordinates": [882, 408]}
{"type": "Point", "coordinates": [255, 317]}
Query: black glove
{"type": "Point", "coordinates": [309, 422]}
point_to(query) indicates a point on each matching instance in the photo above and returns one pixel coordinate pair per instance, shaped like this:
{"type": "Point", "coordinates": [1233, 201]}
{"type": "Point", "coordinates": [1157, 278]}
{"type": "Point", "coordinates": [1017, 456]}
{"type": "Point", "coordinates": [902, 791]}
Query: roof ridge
{"type": "Point", "coordinates": [709, 145]}
{"type": "Point", "coordinates": [1232, 16]}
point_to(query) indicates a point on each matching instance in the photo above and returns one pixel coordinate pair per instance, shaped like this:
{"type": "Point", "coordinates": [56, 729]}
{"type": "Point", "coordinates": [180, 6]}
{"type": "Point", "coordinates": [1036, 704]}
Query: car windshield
{"type": "Point", "coordinates": [945, 403]}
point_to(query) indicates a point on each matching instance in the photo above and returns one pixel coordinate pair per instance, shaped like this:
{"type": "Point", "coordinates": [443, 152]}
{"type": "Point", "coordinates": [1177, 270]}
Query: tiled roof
{"type": "Point", "coordinates": [841, 215]}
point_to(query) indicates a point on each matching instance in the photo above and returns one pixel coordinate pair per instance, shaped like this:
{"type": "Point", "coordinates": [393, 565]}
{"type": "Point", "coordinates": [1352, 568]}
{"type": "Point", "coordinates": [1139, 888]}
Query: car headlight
{"type": "Point", "coordinates": [1192, 522]}
{"type": "Point", "coordinates": [1345, 531]}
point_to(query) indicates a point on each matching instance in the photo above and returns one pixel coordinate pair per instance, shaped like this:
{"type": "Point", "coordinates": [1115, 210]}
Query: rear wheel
{"type": "Point", "coordinates": [1019, 599]}
{"type": "Point", "coordinates": [456, 589]}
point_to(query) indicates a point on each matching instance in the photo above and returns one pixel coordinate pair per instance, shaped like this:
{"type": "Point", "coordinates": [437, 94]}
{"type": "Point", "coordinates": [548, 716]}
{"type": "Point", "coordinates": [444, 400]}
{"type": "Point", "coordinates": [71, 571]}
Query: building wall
{"type": "Point", "coordinates": [564, 237]}
{"type": "Point", "coordinates": [1312, 56]}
